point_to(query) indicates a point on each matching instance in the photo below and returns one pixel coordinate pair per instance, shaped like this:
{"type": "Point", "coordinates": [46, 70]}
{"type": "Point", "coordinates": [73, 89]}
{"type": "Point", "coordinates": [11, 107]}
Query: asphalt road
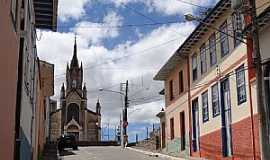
{"type": "Point", "coordinates": [105, 153]}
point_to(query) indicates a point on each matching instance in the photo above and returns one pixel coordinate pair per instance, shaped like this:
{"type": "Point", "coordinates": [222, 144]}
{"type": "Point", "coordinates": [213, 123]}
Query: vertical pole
{"type": "Point", "coordinates": [108, 131]}
{"type": "Point", "coordinates": [146, 133]}
{"type": "Point", "coordinates": [153, 127]}
{"type": "Point", "coordinates": [115, 135]}
{"type": "Point", "coordinates": [264, 141]}
{"type": "Point", "coordinates": [125, 115]}
{"type": "Point", "coordinates": [136, 138]}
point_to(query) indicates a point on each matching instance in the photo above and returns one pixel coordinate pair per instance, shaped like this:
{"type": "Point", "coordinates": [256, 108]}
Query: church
{"type": "Point", "coordinates": [73, 116]}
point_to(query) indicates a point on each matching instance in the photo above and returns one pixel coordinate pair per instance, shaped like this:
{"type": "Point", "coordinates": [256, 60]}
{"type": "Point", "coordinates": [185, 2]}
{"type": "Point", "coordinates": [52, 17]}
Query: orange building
{"type": "Point", "coordinates": [9, 57]}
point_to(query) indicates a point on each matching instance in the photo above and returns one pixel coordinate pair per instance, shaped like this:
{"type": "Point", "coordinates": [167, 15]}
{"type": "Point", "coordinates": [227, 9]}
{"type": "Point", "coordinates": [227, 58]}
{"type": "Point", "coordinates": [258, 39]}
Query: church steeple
{"type": "Point", "coordinates": [98, 107]}
{"type": "Point", "coordinates": [74, 61]}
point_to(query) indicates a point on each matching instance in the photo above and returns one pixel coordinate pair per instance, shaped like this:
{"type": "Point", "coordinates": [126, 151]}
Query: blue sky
{"type": "Point", "coordinates": [111, 55]}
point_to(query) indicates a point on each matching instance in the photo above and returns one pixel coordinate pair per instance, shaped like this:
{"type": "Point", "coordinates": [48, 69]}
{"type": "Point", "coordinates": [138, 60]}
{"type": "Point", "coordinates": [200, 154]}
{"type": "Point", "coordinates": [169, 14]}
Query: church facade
{"type": "Point", "coordinates": [74, 117]}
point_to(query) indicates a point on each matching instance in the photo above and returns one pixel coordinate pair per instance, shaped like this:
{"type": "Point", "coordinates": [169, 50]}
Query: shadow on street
{"type": "Point", "coordinates": [66, 153]}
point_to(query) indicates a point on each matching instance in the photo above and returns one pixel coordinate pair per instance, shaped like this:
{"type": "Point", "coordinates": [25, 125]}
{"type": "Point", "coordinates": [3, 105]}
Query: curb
{"type": "Point", "coordinates": [155, 154]}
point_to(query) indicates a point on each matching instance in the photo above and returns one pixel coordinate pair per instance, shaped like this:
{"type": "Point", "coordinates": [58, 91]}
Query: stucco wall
{"type": "Point", "coordinates": [264, 42]}
{"type": "Point", "coordinates": [9, 48]}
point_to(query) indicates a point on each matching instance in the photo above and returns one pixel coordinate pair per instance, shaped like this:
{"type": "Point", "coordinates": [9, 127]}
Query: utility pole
{"type": "Point", "coordinates": [146, 133]}
{"type": "Point", "coordinates": [264, 140]}
{"type": "Point", "coordinates": [136, 138]}
{"type": "Point", "coordinates": [108, 131]}
{"type": "Point", "coordinates": [125, 122]}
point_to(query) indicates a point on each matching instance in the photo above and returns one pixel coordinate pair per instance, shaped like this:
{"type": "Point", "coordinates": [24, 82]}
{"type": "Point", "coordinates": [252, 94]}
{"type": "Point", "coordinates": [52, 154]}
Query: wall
{"type": "Point", "coordinates": [9, 49]}
{"type": "Point", "coordinates": [210, 131]}
{"type": "Point", "coordinates": [174, 108]}
{"type": "Point", "coordinates": [55, 131]}
{"type": "Point", "coordinates": [264, 42]}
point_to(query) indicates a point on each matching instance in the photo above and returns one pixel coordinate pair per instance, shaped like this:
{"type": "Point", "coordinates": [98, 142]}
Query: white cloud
{"type": "Point", "coordinates": [74, 9]}
{"type": "Point", "coordinates": [96, 32]}
{"type": "Point", "coordinates": [141, 61]}
{"type": "Point", "coordinates": [169, 7]}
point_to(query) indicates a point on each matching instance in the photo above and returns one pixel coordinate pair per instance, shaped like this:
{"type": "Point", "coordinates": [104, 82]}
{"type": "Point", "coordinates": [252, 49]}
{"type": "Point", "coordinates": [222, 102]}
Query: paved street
{"type": "Point", "coordinates": [105, 153]}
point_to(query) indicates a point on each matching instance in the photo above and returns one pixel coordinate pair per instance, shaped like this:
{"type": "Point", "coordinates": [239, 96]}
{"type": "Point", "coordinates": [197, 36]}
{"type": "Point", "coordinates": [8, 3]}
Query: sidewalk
{"type": "Point", "coordinates": [159, 154]}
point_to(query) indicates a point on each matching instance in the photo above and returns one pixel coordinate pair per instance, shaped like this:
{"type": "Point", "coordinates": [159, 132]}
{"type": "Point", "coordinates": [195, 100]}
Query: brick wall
{"type": "Point", "coordinates": [211, 144]}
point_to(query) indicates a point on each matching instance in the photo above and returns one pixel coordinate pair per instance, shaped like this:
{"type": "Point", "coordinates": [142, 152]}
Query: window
{"type": "Point", "coordinates": [205, 113]}
{"type": "Point", "coordinates": [171, 90]}
{"type": "Point", "coordinates": [172, 128]}
{"type": "Point", "coordinates": [237, 21]}
{"type": "Point", "coordinates": [224, 41]}
{"type": "Point", "coordinates": [212, 49]}
{"type": "Point", "coordinates": [241, 85]}
{"type": "Point", "coordinates": [181, 83]}
{"type": "Point", "coordinates": [194, 67]}
{"type": "Point", "coordinates": [215, 100]}
{"type": "Point", "coordinates": [203, 59]}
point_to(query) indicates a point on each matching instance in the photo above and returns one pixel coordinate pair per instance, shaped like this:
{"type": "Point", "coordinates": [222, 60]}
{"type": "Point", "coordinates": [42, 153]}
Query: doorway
{"type": "Point", "coordinates": [195, 125]}
{"type": "Point", "coordinates": [163, 135]}
{"type": "Point", "coordinates": [226, 118]}
{"type": "Point", "coordinates": [182, 130]}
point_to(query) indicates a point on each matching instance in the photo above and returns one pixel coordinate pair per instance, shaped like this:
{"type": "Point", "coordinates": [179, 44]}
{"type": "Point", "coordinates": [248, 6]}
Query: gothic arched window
{"type": "Point", "coordinates": [73, 112]}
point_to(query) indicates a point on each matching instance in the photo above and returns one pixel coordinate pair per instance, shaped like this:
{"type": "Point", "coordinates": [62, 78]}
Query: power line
{"type": "Point", "coordinates": [126, 56]}
{"type": "Point", "coordinates": [145, 16]}
{"type": "Point", "coordinates": [192, 4]}
{"type": "Point", "coordinates": [105, 25]}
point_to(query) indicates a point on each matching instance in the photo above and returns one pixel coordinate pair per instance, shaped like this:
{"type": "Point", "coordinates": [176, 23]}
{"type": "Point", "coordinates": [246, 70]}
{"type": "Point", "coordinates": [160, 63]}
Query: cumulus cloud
{"type": "Point", "coordinates": [169, 7]}
{"type": "Point", "coordinates": [107, 68]}
{"type": "Point", "coordinates": [71, 9]}
{"type": "Point", "coordinates": [96, 32]}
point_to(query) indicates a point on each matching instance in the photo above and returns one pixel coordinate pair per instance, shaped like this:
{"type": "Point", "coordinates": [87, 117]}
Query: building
{"type": "Point", "coordinates": [264, 37]}
{"type": "Point", "coordinates": [9, 57]}
{"type": "Point", "coordinates": [19, 64]}
{"type": "Point", "coordinates": [45, 89]}
{"type": "Point", "coordinates": [222, 111]}
{"type": "Point", "coordinates": [174, 120]}
{"type": "Point", "coordinates": [76, 118]}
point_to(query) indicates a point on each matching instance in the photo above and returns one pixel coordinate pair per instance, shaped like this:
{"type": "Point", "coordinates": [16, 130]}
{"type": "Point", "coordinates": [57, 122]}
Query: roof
{"type": "Point", "coordinates": [193, 38]}
{"type": "Point", "coordinates": [263, 20]}
{"type": "Point", "coordinates": [161, 114]}
{"type": "Point", "coordinates": [46, 14]}
{"type": "Point", "coordinates": [89, 111]}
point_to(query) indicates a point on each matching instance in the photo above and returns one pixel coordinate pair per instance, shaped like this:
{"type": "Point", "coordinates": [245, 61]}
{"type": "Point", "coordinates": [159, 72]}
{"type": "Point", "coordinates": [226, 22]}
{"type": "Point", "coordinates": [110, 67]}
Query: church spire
{"type": "Point", "coordinates": [74, 61]}
{"type": "Point", "coordinates": [98, 107]}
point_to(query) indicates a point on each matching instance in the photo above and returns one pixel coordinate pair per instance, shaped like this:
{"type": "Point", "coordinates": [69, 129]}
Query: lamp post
{"type": "Point", "coordinates": [121, 125]}
{"type": "Point", "coordinates": [190, 17]}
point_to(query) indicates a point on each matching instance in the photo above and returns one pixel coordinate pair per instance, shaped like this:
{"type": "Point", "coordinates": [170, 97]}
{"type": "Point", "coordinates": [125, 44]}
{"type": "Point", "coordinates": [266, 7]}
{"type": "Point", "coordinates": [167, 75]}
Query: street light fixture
{"type": "Point", "coordinates": [107, 90]}
{"type": "Point", "coordinates": [190, 17]}
{"type": "Point", "coordinates": [122, 94]}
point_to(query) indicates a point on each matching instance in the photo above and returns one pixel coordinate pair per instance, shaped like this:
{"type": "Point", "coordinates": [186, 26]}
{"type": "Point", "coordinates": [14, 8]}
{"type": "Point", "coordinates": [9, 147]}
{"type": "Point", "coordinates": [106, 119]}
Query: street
{"type": "Point", "coordinates": [105, 153]}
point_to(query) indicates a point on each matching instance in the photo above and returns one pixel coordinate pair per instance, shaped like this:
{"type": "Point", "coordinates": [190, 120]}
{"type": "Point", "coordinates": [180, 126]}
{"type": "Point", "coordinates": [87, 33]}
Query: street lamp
{"type": "Point", "coordinates": [122, 94]}
{"type": "Point", "coordinates": [190, 17]}
{"type": "Point", "coordinates": [107, 90]}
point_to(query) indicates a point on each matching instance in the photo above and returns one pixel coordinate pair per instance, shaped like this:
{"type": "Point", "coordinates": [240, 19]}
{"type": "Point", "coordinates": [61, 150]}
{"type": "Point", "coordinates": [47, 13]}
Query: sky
{"type": "Point", "coordinates": [120, 40]}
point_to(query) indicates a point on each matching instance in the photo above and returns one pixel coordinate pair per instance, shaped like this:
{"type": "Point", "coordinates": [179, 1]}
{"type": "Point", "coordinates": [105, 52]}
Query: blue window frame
{"type": "Point", "coordinates": [241, 85]}
{"type": "Point", "coordinates": [205, 111]}
{"type": "Point", "coordinates": [215, 100]}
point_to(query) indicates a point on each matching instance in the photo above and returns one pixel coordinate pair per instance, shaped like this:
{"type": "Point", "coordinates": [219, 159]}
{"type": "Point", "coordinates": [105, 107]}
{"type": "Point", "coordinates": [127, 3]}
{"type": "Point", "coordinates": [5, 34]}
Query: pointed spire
{"type": "Point", "coordinates": [84, 87]}
{"type": "Point", "coordinates": [62, 95]}
{"type": "Point", "coordinates": [98, 107]}
{"type": "Point", "coordinates": [74, 61]}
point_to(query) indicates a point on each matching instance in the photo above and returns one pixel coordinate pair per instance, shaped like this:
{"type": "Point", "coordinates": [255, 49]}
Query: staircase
{"type": "Point", "coordinates": [50, 151]}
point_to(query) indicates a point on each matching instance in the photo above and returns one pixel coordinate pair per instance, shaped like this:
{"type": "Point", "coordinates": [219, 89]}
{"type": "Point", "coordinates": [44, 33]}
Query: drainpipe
{"type": "Point", "coordinates": [249, 55]}
{"type": "Point", "coordinates": [189, 106]}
